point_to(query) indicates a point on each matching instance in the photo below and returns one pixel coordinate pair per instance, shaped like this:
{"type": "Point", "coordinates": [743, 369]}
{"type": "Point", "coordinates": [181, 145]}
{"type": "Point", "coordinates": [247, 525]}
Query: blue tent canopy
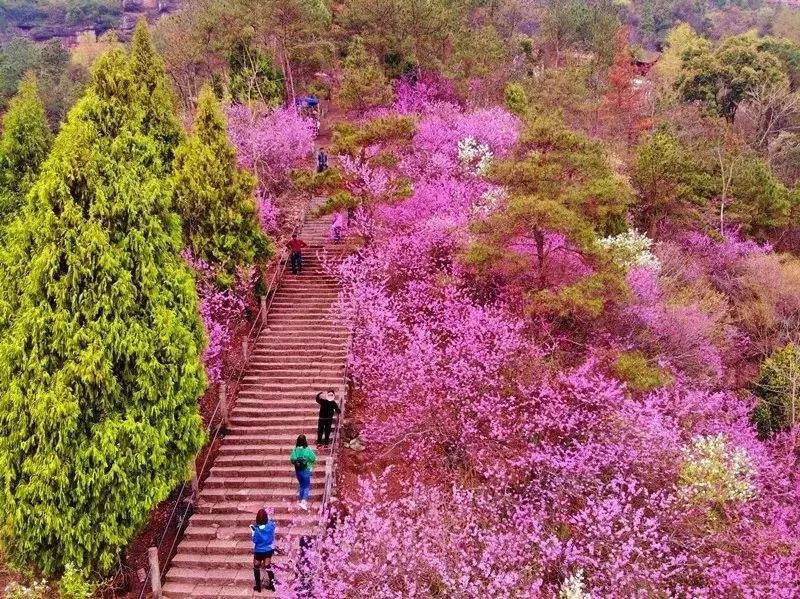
{"type": "Point", "coordinates": [309, 101]}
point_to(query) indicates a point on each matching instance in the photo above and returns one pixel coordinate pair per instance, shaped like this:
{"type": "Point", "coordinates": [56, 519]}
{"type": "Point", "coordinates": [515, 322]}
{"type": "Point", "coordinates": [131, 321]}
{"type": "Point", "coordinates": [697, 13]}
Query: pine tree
{"type": "Point", "coordinates": [213, 196]}
{"type": "Point", "coordinates": [100, 340]}
{"type": "Point", "coordinates": [24, 146]}
{"type": "Point", "coordinates": [364, 84]}
{"type": "Point", "coordinates": [160, 121]}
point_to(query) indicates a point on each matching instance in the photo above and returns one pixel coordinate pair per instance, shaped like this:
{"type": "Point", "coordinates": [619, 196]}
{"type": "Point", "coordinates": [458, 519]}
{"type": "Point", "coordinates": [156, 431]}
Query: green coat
{"type": "Point", "coordinates": [305, 453]}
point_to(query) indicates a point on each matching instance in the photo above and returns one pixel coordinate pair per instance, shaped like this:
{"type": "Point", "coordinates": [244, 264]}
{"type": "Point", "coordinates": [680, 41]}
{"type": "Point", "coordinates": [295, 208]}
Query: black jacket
{"type": "Point", "coordinates": [327, 407]}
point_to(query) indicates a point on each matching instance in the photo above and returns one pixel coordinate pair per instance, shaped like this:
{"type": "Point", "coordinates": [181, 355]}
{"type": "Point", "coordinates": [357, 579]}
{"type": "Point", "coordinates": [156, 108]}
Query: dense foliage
{"type": "Point", "coordinates": [516, 452]}
{"type": "Point", "coordinates": [24, 146]}
{"type": "Point", "coordinates": [100, 352]}
{"type": "Point", "coordinates": [213, 196]}
{"type": "Point", "coordinates": [574, 319]}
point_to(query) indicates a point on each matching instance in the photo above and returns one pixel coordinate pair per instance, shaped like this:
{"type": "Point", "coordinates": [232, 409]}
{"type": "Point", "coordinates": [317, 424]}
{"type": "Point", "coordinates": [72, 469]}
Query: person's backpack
{"type": "Point", "coordinates": [299, 464]}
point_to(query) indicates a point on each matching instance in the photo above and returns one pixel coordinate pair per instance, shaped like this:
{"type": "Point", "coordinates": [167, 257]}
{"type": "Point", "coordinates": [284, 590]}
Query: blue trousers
{"type": "Point", "coordinates": [297, 262]}
{"type": "Point", "coordinates": [304, 478]}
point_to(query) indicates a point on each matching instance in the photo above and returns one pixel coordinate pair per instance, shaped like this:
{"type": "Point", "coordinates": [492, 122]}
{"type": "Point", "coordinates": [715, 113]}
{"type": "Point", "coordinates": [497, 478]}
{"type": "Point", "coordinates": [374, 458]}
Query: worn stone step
{"type": "Point", "coordinates": [247, 408]}
{"type": "Point", "coordinates": [286, 376]}
{"type": "Point", "coordinates": [266, 459]}
{"type": "Point", "coordinates": [242, 533]}
{"type": "Point", "coordinates": [246, 518]}
{"type": "Point", "coordinates": [213, 505]}
{"type": "Point", "coordinates": [231, 560]}
{"type": "Point", "coordinates": [262, 483]}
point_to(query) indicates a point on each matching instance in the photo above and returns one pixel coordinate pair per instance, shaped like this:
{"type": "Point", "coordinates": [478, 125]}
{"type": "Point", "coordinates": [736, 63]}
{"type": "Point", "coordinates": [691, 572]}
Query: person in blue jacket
{"type": "Point", "coordinates": [263, 534]}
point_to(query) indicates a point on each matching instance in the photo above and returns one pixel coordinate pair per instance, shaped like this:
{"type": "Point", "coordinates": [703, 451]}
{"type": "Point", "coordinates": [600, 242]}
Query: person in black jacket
{"type": "Point", "coordinates": [327, 408]}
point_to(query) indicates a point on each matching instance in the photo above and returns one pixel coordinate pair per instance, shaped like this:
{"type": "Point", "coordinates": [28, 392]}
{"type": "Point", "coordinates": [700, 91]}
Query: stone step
{"type": "Point", "coordinates": [279, 507]}
{"type": "Point", "coordinates": [251, 389]}
{"type": "Point", "coordinates": [260, 410]}
{"type": "Point", "coordinates": [287, 494]}
{"type": "Point", "coordinates": [242, 533]}
{"type": "Point", "coordinates": [264, 351]}
{"type": "Point", "coordinates": [226, 475]}
{"type": "Point", "coordinates": [286, 343]}
{"type": "Point", "coordinates": [245, 519]}
{"type": "Point", "coordinates": [314, 376]}
{"type": "Point", "coordinates": [282, 438]}
{"type": "Point", "coordinates": [255, 396]}
{"type": "Point", "coordinates": [275, 402]}
{"type": "Point", "coordinates": [234, 446]}
{"type": "Point", "coordinates": [272, 426]}
{"type": "Point", "coordinates": [283, 331]}
{"type": "Point", "coordinates": [275, 368]}
{"type": "Point", "coordinates": [259, 483]}
{"type": "Point", "coordinates": [263, 439]}
{"type": "Point", "coordinates": [265, 459]}
{"type": "Point", "coordinates": [226, 575]}
{"type": "Point", "coordinates": [271, 420]}
{"type": "Point", "coordinates": [207, 590]}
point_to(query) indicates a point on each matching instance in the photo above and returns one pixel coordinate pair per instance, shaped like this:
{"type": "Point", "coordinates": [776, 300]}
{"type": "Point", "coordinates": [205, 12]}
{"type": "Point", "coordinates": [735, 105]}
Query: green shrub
{"type": "Point", "coordinates": [516, 99]}
{"type": "Point", "coordinates": [778, 390]}
{"type": "Point", "coordinates": [341, 200]}
{"type": "Point", "coordinates": [350, 139]}
{"type": "Point", "coordinates": [322, 183]}
{"type": "Point", "coordinates": [74, 585]}
{"type": "Point", "coordinates": [640, 375]}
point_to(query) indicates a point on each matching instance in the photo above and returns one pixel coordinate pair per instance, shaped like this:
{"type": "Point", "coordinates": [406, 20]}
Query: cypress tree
{"type": "Point", "coordinates": [213, 196]}
{"type": "Point", "coordinates": [159, 120]}
{"type": "Point", "coordinates": [24, 146]}
{"type": "Point", "coordinates": [100, 348]}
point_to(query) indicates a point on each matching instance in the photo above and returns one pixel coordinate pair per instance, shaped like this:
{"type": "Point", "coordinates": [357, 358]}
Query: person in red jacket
{"type": "Point", "coordinates": [296, 253]}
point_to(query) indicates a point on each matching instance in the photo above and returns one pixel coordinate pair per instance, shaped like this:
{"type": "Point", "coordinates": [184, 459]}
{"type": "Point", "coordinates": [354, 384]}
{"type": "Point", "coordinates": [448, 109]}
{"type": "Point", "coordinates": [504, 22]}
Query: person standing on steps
{"type": "Point", "coordinates": [327, 408]}
{"type": "Point", "coordinates": [263, 536]}
{"type": "Point", "coordinates": [337, 227]}
{"type": "Point", "coordinates": [296, 253]}
{"type": "Point", "coordinates": [322, 161]}
{"type": "Point", "coordinates": [303, 459]}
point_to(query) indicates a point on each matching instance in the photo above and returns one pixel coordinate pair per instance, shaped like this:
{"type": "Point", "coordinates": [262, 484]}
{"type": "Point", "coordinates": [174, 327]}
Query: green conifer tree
{"type": "Point", "coordinates": [364, 84]}
{"type": "Point", "coordinates": [24, 146]}
{"type": "Point", "coordinates": [213, 196]}
{"type": "Point", "coordinates": [100, 344]}
{"type": "Point", "coordinates": [160, 121]}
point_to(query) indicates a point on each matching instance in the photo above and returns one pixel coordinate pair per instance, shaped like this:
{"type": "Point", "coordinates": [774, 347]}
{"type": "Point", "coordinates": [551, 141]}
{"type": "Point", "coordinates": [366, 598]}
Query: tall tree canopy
{"type": "Point", "coordinates": [101, 339]}
{"type": "Point", "coordinates": [720, 78]}
{"type": "Point", "coordinates": [24, 146]}
{"type": "Point", "coordinates": [159, 121]}
{"type": "Point", "coordinates": [213, 196]}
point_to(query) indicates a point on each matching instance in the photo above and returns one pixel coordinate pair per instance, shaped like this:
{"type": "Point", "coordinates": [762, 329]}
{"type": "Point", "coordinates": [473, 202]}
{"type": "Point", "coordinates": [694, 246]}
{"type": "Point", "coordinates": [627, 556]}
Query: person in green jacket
{"type": "Point", "coordinates": [303, 458]}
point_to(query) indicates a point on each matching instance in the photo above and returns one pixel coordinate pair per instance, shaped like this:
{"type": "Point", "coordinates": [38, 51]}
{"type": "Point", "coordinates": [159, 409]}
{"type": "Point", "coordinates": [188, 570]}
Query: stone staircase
{"type": "Point", "coordinates": [299, 352]}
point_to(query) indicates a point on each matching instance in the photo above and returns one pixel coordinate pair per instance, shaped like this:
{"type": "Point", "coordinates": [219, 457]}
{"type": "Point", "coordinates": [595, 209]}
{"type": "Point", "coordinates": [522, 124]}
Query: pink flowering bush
{"type": "Point", "coordinates": [505, 459]}
{"type": "Point", "coordinates": [270, 144]}
{"type": "Point", "coordinates": [363, 180]}
{"type": "Point", "coordinates": [418, 95]}
{"type": "Point", "coordinates": [222, 310]}
{"type": "Point", "coordinates": [268, 212]}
